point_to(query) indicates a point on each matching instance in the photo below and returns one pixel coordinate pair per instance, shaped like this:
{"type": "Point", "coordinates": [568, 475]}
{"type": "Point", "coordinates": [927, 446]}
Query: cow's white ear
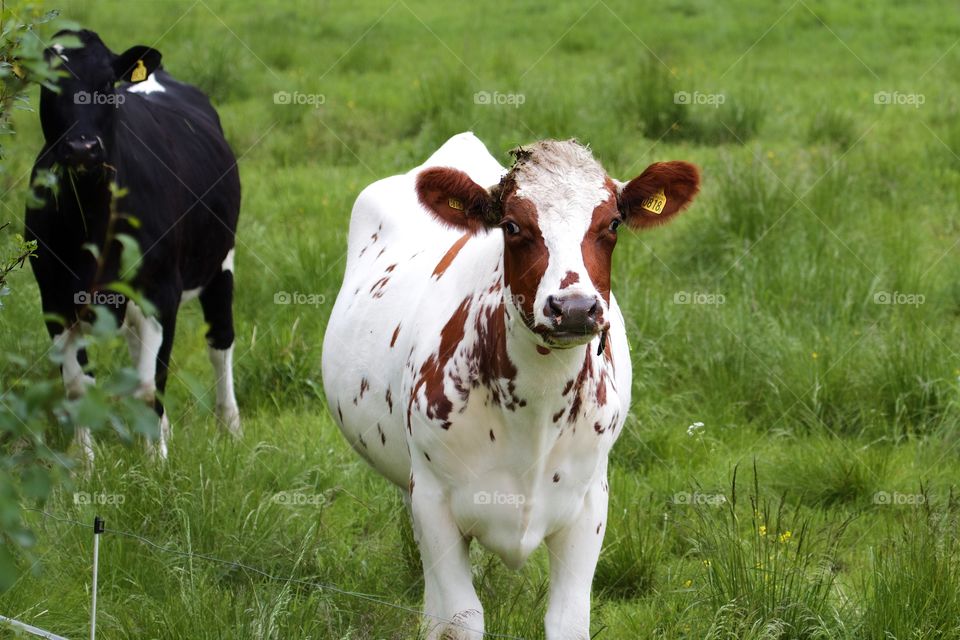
{"type": "Point", "coordinates": [658, 194]}
{"type": "Point", "coordinates": [136, 63]}
{"type": "Point", "coordinates": [455, 199]}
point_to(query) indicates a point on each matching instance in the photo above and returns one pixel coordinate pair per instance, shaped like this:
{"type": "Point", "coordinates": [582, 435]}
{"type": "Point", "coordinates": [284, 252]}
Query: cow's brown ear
{"type": "Point", "coordinates": [658, 194]}
{"type": "Point", "coordinates": [455, 199]}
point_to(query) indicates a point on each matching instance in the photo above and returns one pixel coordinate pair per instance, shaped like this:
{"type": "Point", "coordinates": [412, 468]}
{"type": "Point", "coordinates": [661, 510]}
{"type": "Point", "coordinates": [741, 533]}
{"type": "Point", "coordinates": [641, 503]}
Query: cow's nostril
{"type": "Point", "coordinates": [554, 309]}
{"type": "Point", "coordinates": [592, 312]}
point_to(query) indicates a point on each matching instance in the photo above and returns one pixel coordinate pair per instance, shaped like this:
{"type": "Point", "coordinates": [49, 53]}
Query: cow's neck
{"type": "Point", "coordinates": [525, 375]}
{"type": "Point", "coordinates": [85, 202]}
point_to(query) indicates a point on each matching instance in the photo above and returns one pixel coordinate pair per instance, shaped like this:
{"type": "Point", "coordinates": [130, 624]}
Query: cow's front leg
{"type": "Point", "coordinates": [573, 558]}
{"type": "Point", "coordinates": [453, 610]}
{"type": "Point", "coordinates": [75, 379]}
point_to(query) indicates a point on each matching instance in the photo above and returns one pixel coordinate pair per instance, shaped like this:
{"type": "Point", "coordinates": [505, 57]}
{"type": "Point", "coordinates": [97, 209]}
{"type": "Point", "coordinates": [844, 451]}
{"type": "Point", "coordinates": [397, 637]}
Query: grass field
{"type": "Point", "coordinates": [805, 310]}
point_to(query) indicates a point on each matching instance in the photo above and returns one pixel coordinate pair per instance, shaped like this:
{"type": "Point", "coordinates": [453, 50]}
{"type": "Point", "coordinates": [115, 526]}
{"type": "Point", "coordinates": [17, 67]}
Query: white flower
{"type": "Point", "coordinates": [694, 428]}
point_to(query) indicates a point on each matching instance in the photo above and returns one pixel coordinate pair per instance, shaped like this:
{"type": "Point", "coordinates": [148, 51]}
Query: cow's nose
{"type": "Point", "coordinates": [83, 150]}
{"type": "Point", "coordinates": [573, 313]}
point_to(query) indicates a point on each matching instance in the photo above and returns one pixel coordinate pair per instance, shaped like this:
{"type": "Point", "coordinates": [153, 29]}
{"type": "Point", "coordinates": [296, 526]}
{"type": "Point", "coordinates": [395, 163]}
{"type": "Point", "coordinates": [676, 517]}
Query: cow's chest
{"type": "Point", "coordinates": [516, 469]}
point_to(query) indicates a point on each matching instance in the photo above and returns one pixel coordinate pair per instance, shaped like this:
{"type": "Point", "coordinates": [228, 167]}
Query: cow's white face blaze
{"type": "Point", "coordinates": [559, 213]}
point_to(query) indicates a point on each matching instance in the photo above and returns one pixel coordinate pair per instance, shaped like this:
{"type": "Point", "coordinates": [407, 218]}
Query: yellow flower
{"type": "Point", "coordinates": [763, 530]}
{"type": "Point", "coordinates": [706, 563]}
{"type": "Point", "coordinates": [688, 584]}
{"type": "Point", "coordinates": [814, 355]}
{"type": "Point", "coordinates": [785, 537]}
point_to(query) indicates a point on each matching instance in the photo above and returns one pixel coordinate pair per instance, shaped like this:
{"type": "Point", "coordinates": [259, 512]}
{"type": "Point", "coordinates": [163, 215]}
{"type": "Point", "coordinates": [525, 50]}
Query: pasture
{"type": "Point", "coordinates": [790, 463]}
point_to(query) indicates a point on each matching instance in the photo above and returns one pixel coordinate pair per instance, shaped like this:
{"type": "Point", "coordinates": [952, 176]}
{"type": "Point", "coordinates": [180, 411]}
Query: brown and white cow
{"type": "Point", "coordinates": [477, 358]}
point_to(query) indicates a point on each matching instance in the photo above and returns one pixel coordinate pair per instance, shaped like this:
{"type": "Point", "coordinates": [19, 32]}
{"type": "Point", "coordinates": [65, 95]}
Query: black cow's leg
{"type": "Point", "coordinates": [217, 302]}
{"type": "Point", "coordinates": [76, 378]}
{"type": "Point", "coordinates": [168, 322]}
{"type": "Point", "coordinates": [153, 337]}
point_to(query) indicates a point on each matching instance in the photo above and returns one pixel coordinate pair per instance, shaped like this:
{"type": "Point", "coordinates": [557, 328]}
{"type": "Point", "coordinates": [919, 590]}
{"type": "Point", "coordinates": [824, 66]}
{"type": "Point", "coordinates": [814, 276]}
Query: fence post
{"type": "Point", "coordinates": [97, 530]}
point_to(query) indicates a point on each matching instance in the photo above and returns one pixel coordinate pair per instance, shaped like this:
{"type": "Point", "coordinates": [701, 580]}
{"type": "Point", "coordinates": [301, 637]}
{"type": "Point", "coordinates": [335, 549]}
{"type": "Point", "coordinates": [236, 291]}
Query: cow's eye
{"type": "Point", "coordinates": [511, 227]}
{"type": "Point", "coordinates": [615, 224]}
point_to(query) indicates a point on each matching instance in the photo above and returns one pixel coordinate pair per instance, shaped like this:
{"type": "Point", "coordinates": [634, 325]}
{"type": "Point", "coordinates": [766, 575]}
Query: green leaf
{"type": "Point", "coordinates": [35, 483]}
{"type": "Point", "coordinates": [130, 257]}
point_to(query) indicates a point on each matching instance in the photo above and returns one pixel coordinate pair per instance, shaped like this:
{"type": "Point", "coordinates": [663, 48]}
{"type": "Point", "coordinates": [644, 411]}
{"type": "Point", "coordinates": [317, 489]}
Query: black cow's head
{"type": "Point", "coordinates": [77, 121]}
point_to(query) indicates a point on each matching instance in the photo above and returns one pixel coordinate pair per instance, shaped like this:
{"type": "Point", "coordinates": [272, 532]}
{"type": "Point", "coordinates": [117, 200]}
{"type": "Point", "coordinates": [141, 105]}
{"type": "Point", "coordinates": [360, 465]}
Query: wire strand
{"type": "Point", "coordinates": [310, 583]}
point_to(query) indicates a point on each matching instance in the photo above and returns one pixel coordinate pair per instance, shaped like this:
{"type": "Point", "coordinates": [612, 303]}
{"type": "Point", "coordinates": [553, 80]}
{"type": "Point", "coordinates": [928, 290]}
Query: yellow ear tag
{"type": "Point", "coordinates": [139, 73]}
{"type": "Point", "coordinates": [655, 203]}
{"type": "Point", "coordinates": [455, 204]}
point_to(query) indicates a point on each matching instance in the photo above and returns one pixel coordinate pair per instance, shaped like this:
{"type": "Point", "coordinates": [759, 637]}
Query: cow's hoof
{"type": "Point", "coordinates": [229, 418]}
{"type": "Point", "coordinates": [465, 625]}
{"type": "Point", "coordinates": [157, 449]}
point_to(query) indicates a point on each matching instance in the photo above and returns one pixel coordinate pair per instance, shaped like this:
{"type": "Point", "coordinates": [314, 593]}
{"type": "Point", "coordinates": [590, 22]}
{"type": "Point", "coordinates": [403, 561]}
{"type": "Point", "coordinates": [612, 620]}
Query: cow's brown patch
{"type": "Point", "coordinates": [430, 379]}
{"type": "Point", "coordinates": [571, 278]}
{"type": "Point", "coordinates": [542, 350]}
{"type": "Point", "coordinates": [586, 372]}
{"type": "Point", "coordinates": [493, 438]}
{"type": "Point", "coordinates": [524, 254]}
{"type": "Point", "coordinates": [494, 369]}
{"type": "Point", "coordinates": [364, 385]}
{"type": "Point", "coordinates": [390, 399]}
{"type": "Point", "coordinates": [449, 256]}
{"type": "Point", "coordinates": [598, 243]}
{"type": "Point", "coordinates": [556, 477]}
{"type": "Point", "coordinates": [378, 287]}
{"type": "Point", "coordinates": [393, 340]}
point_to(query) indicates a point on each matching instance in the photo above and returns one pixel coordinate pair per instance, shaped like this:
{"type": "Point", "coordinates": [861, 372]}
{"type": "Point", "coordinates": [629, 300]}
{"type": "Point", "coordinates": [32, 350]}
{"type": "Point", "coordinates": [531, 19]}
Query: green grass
{"type": "Point", "coordinates": [815, 201]}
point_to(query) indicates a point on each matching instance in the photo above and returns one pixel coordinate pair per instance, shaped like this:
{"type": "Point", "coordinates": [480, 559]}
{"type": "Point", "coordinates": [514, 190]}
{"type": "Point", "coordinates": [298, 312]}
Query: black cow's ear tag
{"type": "Point", "coordinates": [139, 73]}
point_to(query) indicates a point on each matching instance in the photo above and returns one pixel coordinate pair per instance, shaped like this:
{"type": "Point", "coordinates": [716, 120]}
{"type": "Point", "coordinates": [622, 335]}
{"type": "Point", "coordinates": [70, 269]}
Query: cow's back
{"type": "Point", "coordinates": [405, 275]}
{"type": "Point", "coordinates": [181, 176]}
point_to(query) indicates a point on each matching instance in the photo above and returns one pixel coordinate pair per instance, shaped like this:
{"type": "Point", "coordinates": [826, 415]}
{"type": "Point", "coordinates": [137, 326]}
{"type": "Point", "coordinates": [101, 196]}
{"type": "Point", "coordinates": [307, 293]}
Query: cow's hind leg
{"type": "Point", "coordinates": [217, 302]}
{"type": "Point", "coordinates": [150, 340]}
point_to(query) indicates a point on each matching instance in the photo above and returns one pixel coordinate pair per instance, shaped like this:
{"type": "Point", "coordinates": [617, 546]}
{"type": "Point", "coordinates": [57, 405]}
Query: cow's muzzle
{"type": "Point", "coordinates": [574, 319]}
{"type": "Point", "coordinates": [82, 152]}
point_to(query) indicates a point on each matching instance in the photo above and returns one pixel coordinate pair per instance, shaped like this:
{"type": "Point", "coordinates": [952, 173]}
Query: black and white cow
{"type": "Point", "coordinates": [121, 119]}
